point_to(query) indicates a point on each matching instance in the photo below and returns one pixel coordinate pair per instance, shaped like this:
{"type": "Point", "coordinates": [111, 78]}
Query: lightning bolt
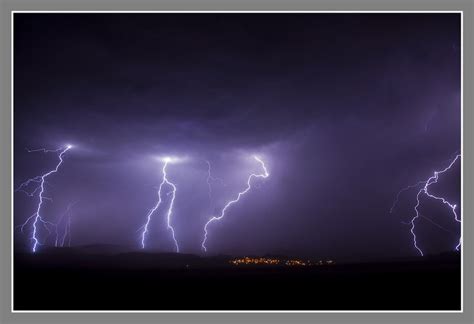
{"type": "Point", "coordinates": [170, 208]}
{"type": "Point", "coordinates": [263, 175]}
{"type": "Point", "coordinates": [424, 190]}
{"type": "Point", "coordinates": [41, 180]}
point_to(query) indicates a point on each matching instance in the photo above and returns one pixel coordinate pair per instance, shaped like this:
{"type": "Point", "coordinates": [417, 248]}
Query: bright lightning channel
{"type": "Point", "coordinates": [263, 175]}
{"type": "Point", "coordinates": [424, 190]}
{"type": "Point", "coordinates": [41, 189]}
{"type": "Point", "coordinates": [165, 180]}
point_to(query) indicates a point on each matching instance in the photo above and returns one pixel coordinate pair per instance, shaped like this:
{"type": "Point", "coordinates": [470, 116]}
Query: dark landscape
{"type": "Point", "coordinates": [71, 279]}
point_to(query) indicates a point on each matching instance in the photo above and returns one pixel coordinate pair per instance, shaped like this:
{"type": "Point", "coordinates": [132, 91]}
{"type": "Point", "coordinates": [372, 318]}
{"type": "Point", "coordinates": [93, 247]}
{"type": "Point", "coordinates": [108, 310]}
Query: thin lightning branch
{"type": "Point", "coordinates": [41, 180]}
{"type": "Point", "coordinates": [436, 224]}
{"type": "Point", "coordinates": [44, 150]}
{"type": "Point", "coordinates": [58, 222]}
{"type": "Point", "coordinates": [263, 175]}
{"type": "Point", "coordinates": [22, 226]}
{"type": "Point", "coordinates": [170, 208]}
{"type": "Point", "coordinates": [65, 234]}
{"type": "Point", "coordinates": [209, 181]}
{"type": "Point", "coordinates": [432, 222]}
{"type": "Point", "coordinates": [397, 198]}
{"type": "Point", "coordinates": [69, 232]}
{"type": "Point", "coordinates": [425, 191]}
{"type": "Point", "coordinates": [24, 185]}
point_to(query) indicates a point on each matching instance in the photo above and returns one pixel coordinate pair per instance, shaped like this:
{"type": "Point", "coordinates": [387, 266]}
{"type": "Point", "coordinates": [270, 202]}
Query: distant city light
{"type": "Point", "coordinates": [276, 261]}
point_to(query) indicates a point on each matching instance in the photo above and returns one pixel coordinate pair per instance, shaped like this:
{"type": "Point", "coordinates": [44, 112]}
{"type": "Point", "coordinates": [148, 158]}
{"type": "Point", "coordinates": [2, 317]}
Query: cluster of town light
{"type": "Point", "coordinates": [248, 260]}
{"type": "Point", "coordinates": [275, 261]}
{"type": "Point", "coordinates": [295, 263]}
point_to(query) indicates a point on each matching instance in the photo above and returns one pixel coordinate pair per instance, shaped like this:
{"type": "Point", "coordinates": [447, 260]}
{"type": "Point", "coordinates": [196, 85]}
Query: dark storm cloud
{"type": "Point", "coordinates": [345, 108]}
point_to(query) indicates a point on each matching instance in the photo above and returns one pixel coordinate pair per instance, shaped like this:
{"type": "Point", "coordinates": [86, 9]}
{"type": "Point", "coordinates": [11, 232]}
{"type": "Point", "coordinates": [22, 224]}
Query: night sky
{"type": "Point", "coordinates": [345, 110]}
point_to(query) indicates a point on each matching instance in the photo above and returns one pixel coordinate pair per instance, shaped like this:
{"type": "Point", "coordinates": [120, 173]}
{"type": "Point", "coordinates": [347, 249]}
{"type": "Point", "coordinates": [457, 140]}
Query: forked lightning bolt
{"type": "Point", "coordinates": [170, 208]}
{"type": "Point", "coordinates": [264, 175]}
{"type": "Point", "coordinates": [40, 180]}
{"type": "Point", "coordinates": [424, 190]}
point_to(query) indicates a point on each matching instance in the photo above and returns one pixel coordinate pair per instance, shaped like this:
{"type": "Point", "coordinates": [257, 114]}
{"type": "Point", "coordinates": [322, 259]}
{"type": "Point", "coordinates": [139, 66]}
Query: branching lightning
{"type": "Point", "coordinates": [170, 208]}
{"type": "Point", "coordinates": [424, 190]}
{"type": "Point", "coordinates": [40, 189]}
{"type": "Point", "coordinates": [263, 175]}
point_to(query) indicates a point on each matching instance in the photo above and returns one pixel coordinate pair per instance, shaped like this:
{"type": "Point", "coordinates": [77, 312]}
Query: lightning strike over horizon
{"type": "Point", "coordinates": [41, 180]}
{"type": "Point", "coordinates": [424, 190]}
{"type": "Point", "coordinates": [165, 180]}
{"type": "Point", "coordinates": [263, 175]}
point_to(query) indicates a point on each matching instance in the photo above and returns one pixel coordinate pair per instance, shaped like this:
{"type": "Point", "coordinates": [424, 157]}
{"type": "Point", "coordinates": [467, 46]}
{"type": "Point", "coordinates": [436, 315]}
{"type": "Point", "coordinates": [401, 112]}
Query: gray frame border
{"type": "Point", "coordinates": [6, 6]}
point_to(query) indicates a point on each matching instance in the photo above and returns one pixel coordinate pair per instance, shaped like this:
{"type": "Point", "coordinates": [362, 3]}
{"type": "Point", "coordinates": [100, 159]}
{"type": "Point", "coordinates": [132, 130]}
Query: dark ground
{"type": "Point", "coordinates": [73, 280]}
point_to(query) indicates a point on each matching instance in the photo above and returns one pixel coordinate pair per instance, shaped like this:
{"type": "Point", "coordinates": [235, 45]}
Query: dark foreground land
{"type": "Point", "coordinates": [70, 280]}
